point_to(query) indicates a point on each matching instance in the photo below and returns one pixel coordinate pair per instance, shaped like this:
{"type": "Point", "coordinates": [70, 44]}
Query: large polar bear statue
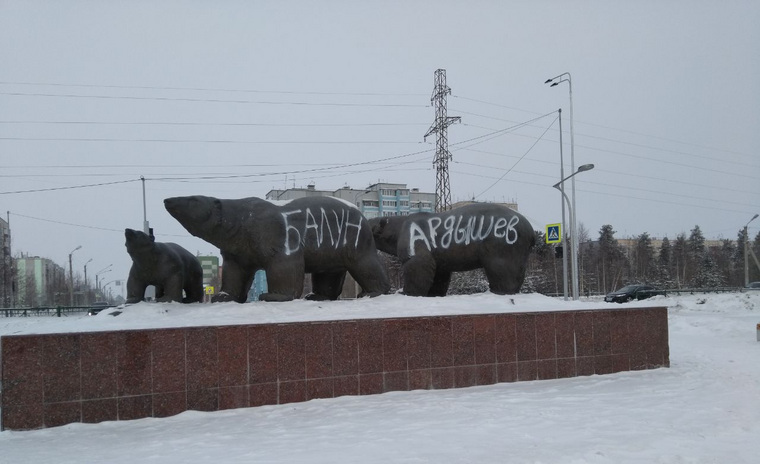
{"type": "Point", "coordinates": [433, 245]}
{"type": "Point", "coordinates": [324, 236]}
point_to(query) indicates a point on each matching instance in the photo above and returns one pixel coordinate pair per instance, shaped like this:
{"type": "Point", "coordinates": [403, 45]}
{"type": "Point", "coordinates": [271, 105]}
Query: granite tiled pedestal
{"type": "Point", "coordinates": [55, 379]}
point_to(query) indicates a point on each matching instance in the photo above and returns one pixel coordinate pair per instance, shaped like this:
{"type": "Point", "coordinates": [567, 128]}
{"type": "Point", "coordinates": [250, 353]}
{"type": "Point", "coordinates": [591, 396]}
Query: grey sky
{"type": "Point", "coordinates": [665, 104]}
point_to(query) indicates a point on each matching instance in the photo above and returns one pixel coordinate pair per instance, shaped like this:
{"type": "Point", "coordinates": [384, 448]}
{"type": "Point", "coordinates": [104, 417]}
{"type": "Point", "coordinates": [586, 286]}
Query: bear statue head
{"type": "Point", "coordinates": [203, 217]}
{"type": "Point", "coordinates": [385, 231]}
{"type": "Point", "coordinates": [138, 241]}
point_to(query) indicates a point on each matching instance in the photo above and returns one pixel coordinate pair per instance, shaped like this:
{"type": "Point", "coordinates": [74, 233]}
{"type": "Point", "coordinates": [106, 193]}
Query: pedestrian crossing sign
{"type": "Point", "coordinates": [553, 233]}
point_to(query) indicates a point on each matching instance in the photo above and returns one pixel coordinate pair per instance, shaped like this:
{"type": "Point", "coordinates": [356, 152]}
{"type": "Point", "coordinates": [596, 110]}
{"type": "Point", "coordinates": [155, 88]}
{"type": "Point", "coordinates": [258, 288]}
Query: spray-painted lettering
{"type": "Point", "coordinates": [461, 230]}
{"type": "Point", "coordinates": [300, 225]}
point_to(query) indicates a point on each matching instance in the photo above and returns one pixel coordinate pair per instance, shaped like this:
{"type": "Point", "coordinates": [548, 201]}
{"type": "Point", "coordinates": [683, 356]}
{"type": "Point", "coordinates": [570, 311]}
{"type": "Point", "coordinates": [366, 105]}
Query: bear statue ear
{"type": "Point", "coordinates": [378, 226]}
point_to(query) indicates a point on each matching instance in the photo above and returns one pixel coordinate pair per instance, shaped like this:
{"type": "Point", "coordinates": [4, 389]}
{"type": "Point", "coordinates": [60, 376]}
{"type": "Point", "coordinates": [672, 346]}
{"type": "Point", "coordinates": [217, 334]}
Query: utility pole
{"type": "Point", "coordinates": [442, 155]}
{"type": "Point", "coordinates": [747, 250]}
{"type": "Point", "coordinates": [146, 225]}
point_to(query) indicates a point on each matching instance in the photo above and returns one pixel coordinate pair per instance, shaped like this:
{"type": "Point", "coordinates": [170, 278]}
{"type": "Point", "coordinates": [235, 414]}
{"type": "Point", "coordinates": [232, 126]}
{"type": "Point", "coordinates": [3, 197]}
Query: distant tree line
{"type": "Point", "coordinates": [606, 265]}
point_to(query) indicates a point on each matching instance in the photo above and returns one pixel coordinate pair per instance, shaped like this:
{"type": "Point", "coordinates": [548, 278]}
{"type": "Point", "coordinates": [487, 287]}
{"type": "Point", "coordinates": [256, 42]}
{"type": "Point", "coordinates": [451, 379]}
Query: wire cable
{"type": "Point", "coordinates": [200, 89]}
{"type": "Point", "coordinates": [70, 187]}
{"type": "Point", "coordinates": [520, 159]}
{"type": "Point", "coordinates": [211, 100]}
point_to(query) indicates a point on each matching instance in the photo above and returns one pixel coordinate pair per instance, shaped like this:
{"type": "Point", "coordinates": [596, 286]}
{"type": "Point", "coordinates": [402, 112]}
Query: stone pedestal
{"type": "Point", "coordinates": [55, 379]}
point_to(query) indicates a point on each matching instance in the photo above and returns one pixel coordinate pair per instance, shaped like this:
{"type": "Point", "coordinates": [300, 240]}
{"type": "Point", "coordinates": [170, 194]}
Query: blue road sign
{"type": "Point", "coordinates": [553, 233]}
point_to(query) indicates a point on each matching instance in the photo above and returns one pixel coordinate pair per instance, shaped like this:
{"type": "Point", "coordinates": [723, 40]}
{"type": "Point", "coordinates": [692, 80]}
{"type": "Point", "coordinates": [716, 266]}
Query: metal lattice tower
{"type": "Point", "coordinates": [442, 155]}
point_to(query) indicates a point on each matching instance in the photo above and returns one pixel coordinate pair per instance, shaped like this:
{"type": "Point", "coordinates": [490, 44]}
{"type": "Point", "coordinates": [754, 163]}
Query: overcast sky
{"type": "Point", "coordinates": [232, 99]}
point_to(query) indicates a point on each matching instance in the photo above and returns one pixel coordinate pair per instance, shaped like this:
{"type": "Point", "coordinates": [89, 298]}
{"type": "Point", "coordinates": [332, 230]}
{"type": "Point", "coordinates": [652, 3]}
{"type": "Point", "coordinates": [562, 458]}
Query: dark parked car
{"type": "Point", "coordinates": [753, 286]}
{"type": "Point", "coordinates": [632, 292]}
{"type": "Point", "coordinates": [97, 307]}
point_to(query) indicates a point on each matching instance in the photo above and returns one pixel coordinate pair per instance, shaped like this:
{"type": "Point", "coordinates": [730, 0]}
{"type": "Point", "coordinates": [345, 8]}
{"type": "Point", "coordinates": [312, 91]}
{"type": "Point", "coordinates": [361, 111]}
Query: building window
{"type": "Point", "coordinates": [389, 203]}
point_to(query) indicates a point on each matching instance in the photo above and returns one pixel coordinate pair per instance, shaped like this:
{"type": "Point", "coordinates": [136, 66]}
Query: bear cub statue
{"type": "Point", "coordinates": [168, 266]}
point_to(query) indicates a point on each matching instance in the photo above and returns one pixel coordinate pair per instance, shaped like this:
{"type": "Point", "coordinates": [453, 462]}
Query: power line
{"type": "Point", "coordinates": [640, 157]}
{"type": "Point", "coordinates": [495, 133]}
{"type": "Point", "coordinates": [201, 89]}
{"type": "Point", "coordinates": [516, 162]}
{"type": "Point", "coordinates": [628, 197]}
{"type": "Point", "coordinates": [82, 225]}
{"type": "Point", "coordinates": [329, 167]}
{"type": "Point", "coordinates": [214, 124]}
{"type": "Point", "coordinates": [616, 173]}
{"type": "Point", "coordinates": [210, 100]}
{"type": "Point", "coordinates": [256, 142]}
{"type": "Point", "coordinates": [665, 150]}
{"type": "Point", "coordinates": [237, 176]}
{"type": "Point", "coordinates": [647, 190]}
{"type": "Point", "coordinates": [601, 126]}
{"type": "Point", "coordinates": [70, 187]}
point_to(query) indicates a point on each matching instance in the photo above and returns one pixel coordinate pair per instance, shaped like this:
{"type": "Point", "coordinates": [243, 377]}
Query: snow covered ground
{"type": "Point", "coordinates": [704, 409]}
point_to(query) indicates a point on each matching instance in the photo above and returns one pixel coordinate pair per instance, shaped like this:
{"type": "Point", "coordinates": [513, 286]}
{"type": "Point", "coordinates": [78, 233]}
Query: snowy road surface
{"type": "Point", "coordinates": [704, 409]}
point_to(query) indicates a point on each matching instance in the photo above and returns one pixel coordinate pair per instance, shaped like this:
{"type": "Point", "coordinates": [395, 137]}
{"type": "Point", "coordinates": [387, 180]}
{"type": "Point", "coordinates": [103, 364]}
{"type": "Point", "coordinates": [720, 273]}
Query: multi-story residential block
{"type": "Point", "coordinates": [377, 200]}
{"type": "Point", "coordinates": [40, 282]}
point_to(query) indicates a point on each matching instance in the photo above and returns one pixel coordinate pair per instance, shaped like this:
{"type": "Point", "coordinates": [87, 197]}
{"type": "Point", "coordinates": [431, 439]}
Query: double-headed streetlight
{"type": "Point", "coordinates": [746, 250]}
{"type": "Point", "coordinates": [574, 233]}
{"type": "Point", "coordinates": [71, 277]}
{"type": "Point", "coordinates": [555, 81]}
{"type": "Point", "coordinates": [102, 271]}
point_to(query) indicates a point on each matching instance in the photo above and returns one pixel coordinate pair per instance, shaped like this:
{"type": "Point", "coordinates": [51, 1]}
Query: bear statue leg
{"type": "Point", "coordinates": [326, 285]}
{"type": "Point", "coordinates": [505, 276]}
{"type": "Point", "coordinates": [171, 289]}
{"type": "Point", "coordinates": [234, 280]}
{"type": "Point", "coordinates": [440, 284]}
{"type": "Point", "coordinates": [284, 280]}
{"type": "Point", "coordinates": [419, 275]}
{"type": "Point", "coordinates": [135, 290]}
{"type": "Point", "coordinates": [370, 275]}
{"type": "Point", "coordinates": [193, 293]}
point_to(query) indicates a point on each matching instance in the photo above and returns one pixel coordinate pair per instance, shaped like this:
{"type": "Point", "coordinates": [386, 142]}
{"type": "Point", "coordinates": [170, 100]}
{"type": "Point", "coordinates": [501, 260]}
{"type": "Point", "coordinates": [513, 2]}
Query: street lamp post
{"type": "Point", "coordinates": [86, 289]}
{"type": "Point", "coordinates": [71, 277]}
{"type": "Point", "coordinates": [555, 81]}
{"type": "Point", "coordinates": [564, 228]}
{"type": "Point", "coordinates": [574, 237]}
{"type": "Point", "coordinates": [746, 250]}
{"type": "Point", "coordinates": [102, 271]}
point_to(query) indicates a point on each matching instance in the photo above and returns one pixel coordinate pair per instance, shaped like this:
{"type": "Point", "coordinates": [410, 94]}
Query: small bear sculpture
{"type": "Point", "coordinates": [324, 236]}
{"type": "Point", "coordinates": [168, 266]}
{"type": "Point", "coordinates": [432, 246]}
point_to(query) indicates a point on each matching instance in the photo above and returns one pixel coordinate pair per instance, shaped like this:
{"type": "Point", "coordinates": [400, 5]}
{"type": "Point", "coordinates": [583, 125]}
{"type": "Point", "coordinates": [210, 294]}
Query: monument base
{"type": "Point", "coordinates": [55, 379]}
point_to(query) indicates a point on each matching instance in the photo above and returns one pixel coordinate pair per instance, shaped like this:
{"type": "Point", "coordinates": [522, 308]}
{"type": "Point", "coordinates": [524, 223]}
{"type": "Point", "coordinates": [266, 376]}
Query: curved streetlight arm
{"type": "Point", "coordinates": [356, 197]}
{"type": "Point", "coordinates": [583, 168]}
{"type": "Point", "coordinates": [567, 200]}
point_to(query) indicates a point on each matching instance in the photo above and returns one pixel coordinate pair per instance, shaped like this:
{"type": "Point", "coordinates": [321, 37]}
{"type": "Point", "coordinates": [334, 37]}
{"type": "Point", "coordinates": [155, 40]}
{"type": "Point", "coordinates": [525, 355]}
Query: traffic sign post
{"type": "Point", "coordinates": [553, 233]}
